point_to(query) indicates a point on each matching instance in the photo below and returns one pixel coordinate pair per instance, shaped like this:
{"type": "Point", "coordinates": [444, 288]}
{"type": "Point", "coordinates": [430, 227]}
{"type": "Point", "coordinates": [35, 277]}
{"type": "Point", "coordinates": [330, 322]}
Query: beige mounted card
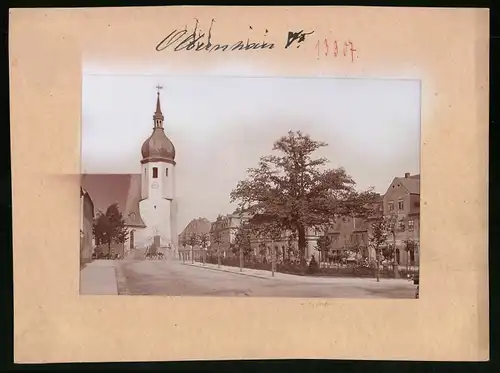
{"type": "Point", "coordinates": [306, 182]}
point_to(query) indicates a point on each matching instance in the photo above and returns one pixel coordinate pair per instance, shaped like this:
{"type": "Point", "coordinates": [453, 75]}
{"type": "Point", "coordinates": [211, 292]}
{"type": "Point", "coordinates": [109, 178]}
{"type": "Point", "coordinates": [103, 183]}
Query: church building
{"type": "Point", "coordinates": [146, 199]}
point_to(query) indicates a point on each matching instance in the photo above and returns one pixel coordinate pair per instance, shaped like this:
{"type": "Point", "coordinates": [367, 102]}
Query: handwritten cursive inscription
{"type": "Point", "coordinates": [296, 36]}
{"type": "Point", "coordinates": [199, 41]}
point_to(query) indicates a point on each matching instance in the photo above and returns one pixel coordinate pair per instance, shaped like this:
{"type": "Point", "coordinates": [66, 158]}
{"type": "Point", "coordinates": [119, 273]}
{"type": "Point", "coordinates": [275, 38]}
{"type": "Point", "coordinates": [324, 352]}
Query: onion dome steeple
{"type": "Point", "coordinates": [158, 146]}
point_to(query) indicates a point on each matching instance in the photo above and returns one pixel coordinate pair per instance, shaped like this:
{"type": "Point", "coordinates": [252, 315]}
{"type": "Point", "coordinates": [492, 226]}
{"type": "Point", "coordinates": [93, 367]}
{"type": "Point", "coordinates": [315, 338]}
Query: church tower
{"type": "Point", "coordinates": [158, 183]}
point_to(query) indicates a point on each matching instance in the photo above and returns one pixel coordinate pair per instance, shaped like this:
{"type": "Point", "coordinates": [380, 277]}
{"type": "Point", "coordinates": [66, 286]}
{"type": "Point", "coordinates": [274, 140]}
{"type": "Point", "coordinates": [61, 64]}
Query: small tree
{"type": "Point", "coordinates": [204, 241]}
{"type": "Point", "coordinates": [233, 248]}
{"type": "Point", "coordinates": [323, 245]}
{"type": "Point", "coordinates": [217, 240]}
{"type": "Point", "coordinates": [110, 227]}
{"type": "Point", "coordinates": [100, 229]}
{"type": "Point", "coordinates": [193, 241]}
{"type": "Point", "coordinates": [242, 241]}
{"type": "Point", "coordinates": [262, 250]}
{"type": "Point", "coordinates": [392, 224]}
{"type": "Point", "coordinates": [377, 241]}
{"type": "Point", "coordinates": [410, 250]}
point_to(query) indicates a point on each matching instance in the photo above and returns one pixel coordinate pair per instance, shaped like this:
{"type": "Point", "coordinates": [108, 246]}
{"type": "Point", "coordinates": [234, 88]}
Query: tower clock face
{"type": "Point", "coordinates": [154, 185]}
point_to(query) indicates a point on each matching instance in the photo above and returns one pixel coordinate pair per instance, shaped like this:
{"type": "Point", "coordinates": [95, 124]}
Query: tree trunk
{"type": "Point", "coordinates": [218, 256]}
{"type": "Point", "coordinates": [302, 245]}
{"type": "Point", "coordinates": [273, 260]}
{"type": "Point", "coordinates": [396, 265]}
{"type": "Point", "coordinates": [241, 259]}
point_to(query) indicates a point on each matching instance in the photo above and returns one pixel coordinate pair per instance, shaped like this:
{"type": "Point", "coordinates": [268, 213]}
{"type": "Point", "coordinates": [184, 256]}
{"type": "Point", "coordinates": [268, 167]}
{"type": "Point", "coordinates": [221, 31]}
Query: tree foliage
{"type": "Point", "coordinates": [378, 240]}
{"type": "Point", "coordinates": [323, 245]}
{"type": "Point", "coordinates": [204, 240]}
{"type": "Point", "coordinates": [216, 239]}
{"type": "Point", "coordinates": [109, 227]}
{"type": "Point", "coordinates": [193, 239]}
{"type": "Point", "coordinates": [242, 239]}
{"type": "Point", "coordinates": [296, 191]}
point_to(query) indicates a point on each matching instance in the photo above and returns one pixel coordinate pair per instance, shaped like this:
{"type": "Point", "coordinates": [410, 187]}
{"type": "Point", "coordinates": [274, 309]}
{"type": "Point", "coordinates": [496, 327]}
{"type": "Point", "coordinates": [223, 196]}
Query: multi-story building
{"type": "Point", "coordinates": [223, 231]}
{"type": "Point", "coordinates": [225, 228]}
{"type": "Point", "coordinates": [86, 225]}
{"type": "Point", "coordinates": [350, 233]}
{"type": "Point", "coordinates": [200, 227]}
{"type": "Point", "coordinates": [402, 207]}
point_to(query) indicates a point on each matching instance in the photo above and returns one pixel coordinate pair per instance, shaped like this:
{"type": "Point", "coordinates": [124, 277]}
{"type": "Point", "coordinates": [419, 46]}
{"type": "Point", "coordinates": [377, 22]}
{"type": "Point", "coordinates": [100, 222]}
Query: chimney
{"type": "Point", "coordinates": [407, 175]}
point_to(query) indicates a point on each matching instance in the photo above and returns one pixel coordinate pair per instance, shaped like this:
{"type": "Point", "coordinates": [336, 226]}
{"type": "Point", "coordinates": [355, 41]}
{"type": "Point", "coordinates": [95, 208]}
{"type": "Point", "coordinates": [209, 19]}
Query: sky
{"type": "Point", "coordinates": [221, 125]}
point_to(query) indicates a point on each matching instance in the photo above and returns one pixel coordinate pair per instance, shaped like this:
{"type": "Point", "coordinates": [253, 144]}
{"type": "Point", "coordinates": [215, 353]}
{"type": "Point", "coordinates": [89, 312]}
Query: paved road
{"type": "Point", "coordinates": [163, 277]}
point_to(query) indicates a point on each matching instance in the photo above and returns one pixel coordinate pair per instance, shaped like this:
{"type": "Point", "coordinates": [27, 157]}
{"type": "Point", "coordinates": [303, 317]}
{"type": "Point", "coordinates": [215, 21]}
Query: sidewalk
{"type": "Point", "coordinates": [298, 278]}
{"type": "Point", "coordinates": [98, 278]}
{"type": "Point", "coordinates": [236, 270]}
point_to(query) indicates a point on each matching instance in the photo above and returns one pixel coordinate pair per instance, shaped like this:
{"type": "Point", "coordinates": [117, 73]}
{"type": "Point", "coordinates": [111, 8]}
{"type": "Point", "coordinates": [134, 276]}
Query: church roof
{"type": "Point", "coordinates": [123, 189]}
{"type": "Point", "coordinates": [158, 146]}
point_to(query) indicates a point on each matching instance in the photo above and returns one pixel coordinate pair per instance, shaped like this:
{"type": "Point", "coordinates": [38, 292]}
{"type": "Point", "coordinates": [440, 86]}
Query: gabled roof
{"type": "Point", "coordinates": [410, 183]}
{"type": "Point", "coordinates": [198, 226]}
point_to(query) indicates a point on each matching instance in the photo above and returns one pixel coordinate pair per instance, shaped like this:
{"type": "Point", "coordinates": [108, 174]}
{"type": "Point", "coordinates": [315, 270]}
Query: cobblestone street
{"type": "Point", "coordinates": [172, 278]}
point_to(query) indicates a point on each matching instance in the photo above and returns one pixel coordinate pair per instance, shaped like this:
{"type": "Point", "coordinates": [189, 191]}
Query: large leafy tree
{"type": "Point", "coordinates": [296, 191]}
{"type": "Point", "coordinates": [109, 227]}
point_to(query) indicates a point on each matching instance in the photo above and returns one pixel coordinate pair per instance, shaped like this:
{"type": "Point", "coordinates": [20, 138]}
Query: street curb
{"type": "Point", "coordinates": [121, 288]}
{"type": "Point", "coordinates": [225, 270]}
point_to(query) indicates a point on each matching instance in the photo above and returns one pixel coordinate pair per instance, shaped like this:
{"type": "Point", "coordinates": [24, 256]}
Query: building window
{"type": "Point", "coordinates": [402, 225]}
{"type": "Point", "coordinates": [401, 205]}
{"type": "Point", "coordinates": [391, 206]}
{"type": "Point", "coordinates": [166, 172]}
{"type": "Point", "coordinates": [411, 225]}
{"type": "Point", "coordinates": [155, 172]}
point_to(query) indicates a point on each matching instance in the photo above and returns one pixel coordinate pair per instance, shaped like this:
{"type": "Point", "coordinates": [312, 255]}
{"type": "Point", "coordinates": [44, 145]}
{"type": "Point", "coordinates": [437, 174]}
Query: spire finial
{"type": "Point", "coordinates": [158, 117]}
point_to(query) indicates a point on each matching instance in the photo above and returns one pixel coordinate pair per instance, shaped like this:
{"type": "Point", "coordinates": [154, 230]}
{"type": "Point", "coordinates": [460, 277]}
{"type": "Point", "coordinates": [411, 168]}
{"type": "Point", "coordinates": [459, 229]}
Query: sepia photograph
{"type": "Point", "coordinates": [248, 186]}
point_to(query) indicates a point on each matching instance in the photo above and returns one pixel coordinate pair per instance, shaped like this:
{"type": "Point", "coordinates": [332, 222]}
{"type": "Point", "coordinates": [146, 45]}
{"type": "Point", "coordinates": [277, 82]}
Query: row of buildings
{"type": "Point", "coordinates": [348, 234]}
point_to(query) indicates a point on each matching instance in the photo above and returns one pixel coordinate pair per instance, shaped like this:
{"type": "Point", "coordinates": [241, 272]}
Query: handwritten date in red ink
{"type": "Point", "coordinates": [335, 48]}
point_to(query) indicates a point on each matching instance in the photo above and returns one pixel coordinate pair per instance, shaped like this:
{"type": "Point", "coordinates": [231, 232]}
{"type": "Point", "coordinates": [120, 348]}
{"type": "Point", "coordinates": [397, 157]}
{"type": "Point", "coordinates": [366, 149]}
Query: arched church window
{"type": "Point", "coordinates": [166, 172]}
{"type": "Point", "coordinates": [155, 172]}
